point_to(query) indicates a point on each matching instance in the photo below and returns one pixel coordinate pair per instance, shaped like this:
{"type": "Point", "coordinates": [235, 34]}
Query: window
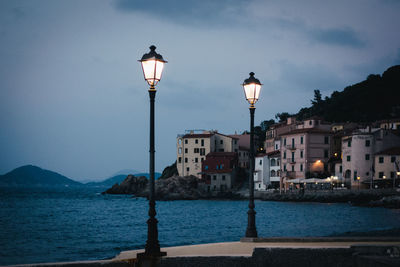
{"type": "Point", "coordinates": [326, 140]}
{"type": "Point", "coordinates": [223, 177]}
{"type": "Point", "coordinates": [392, 175]}
{"type": "Point", "coordinates": [292, 168]}
{"type": "Point", "coordinates": [202, 159]}
{"type": "Point", "coordinates": [348, 158]}
{"type": "Point", "coordinates": [196, 160]}
{"type": "Point", "coordinates": [221, 166]}
{"type": "Point", "coordinates": [355, 175]}
{"type": "Point", "coordinates": [180, 150]}
{"type": "Point", "coordinates": [310, 123]}
{"type": "Point", "coordinates": [301, 140]}
{"type": "Point", "coordinates": [284, 167]}
{"type": "Point", "coordinates": [196, 150]}
{"type": "Point", "coordinates": [202, 151]}
{"type": "Point", "coordinates": [340, 168]}
{"type": "Point", "coordinates": [301, 153]}
{"type": "Point", "coordinates": [221, 142]}
{"type": "Point", "coordinates": [186, 150]}
{"type": "Point", "coordinates": [260, 162]}
{"type": "Point", "coordinates": [392, 159]}
{"type": "Point", "coordinates": [349, 143]}
{"type": "Point", "coordinates": [284, 141]}
{"type": "Point", "coordinates": [301, 167]}
{"type": "Point", "coordinates": [187, 169]}
{"type": "Point", "coordinates": [202, 142]}
{"type": "Point", "coordinates": [221, 150]}
{"type": "Point", "coordinates": [276, 147]}
{"type": "Point", "coordinates": [186, 141]}
{"type": "Point", "coordinates": [292, 142]}
{"type": "Point", "coordinates": [186, 160]}
{"type": "Point", "coordinates": [284, 155]}
{"type": "Point", "coordinates": [215, 187]}
{"type": "Point", "coordinates": [180, 141]}
{"type": "Point", "coordinates": [366, 156]}
{"type": "Point", "coordinates": [180, 160]}
{"type": "Point", "coordinates": [214, 177]}
{"type": "Point", "coordinates": [380, 174]}
{"type": "Point", "coordinates": [292, 156]}
{"type": "Point", "coordinates": [235, 142]}
{"type": "Point", "coordinates": [380, 159]}
{"type": "Point", "coordinates": [206, 167]}
{"type": "Point", "coordinates": [196, 141]}
{"type": "Point", "coordinates": [326, 153]}
{"type": "Point", "coordinates": [367, 142]}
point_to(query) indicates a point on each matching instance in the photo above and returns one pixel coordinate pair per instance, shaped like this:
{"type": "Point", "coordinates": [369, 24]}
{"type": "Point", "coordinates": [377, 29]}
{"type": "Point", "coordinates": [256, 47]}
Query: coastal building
{"type": "Point", "coordinates": [392, 124]}
{"type": "Point", "coordinates": [274, 168]}
{"type": "Point", "coordinates": [387, 167]}
{"type": "Point", "coordinates": [261, 172]}
{"type": "Point", "coordinates": [305, 151]}
{"type": "Point", "coordinates": [272, 136]}
{"type": "Point", "coordinates": [193, 146]}
{"type": "Point", "coordinates": [219, 170]}
{"type": "Point", "coordinates": [358, 155]}
{"type": "Point", "coordinates": [244, 149]}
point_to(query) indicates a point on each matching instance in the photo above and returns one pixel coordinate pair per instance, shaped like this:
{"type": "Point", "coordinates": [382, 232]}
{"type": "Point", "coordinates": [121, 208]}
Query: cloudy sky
{"type": "Point", "coordinates": [72, 94]}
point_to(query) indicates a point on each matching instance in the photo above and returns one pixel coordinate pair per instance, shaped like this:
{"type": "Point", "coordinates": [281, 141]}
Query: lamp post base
{"type": "Point", "coordinates": [149, 260]}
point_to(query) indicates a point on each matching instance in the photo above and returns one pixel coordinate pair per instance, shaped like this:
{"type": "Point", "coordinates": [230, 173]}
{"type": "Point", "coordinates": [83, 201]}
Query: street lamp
{"type": "Point", "coordinates": [152, 65]}
{"type": "Point", "coordinates": [252, 88]}
{"type": "Point", "coordinates": [358, 179]}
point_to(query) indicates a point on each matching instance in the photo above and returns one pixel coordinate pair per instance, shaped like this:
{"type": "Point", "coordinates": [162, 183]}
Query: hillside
{"type": "Point", "coordinates": [30, 175]}
{"type": "Point", "coordinates": [109, 182]}
{"type": "Point", "coordinates": [373, 99]}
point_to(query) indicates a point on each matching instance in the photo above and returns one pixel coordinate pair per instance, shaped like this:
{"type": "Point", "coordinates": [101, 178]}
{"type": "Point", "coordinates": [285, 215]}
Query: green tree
{"type": "Point", "coordinates": [282, 116]}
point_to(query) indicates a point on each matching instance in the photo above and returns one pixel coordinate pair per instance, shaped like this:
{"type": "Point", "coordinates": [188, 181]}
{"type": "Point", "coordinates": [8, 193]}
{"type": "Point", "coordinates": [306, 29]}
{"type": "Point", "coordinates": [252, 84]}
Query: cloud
{"type": "Point", "coordinates": [186, 11]}
{"type": "Point", "coordinates": [337, 36]}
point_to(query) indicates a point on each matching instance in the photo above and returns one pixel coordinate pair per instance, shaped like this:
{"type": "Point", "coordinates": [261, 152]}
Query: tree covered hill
{"type": "Point", "coordinates": [376, 98]}
{"type": "Point", "coordinates": [30, 175]}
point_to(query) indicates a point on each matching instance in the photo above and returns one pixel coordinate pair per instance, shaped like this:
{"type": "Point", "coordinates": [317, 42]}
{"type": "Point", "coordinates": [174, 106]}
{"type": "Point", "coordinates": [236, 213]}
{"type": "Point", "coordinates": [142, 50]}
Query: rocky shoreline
{"type": "Point", "coordinates": [189, 188]}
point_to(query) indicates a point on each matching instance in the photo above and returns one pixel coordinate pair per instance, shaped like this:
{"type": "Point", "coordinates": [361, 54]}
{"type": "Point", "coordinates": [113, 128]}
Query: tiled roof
{"type": "Point", "coordinates": [390, 151]}
{"type": "Point", "coordinates": [274, 153]}
{"type": "Point", "coordinates": [307, 130]}
{"type": "Point", "coordinates": [197, 135]}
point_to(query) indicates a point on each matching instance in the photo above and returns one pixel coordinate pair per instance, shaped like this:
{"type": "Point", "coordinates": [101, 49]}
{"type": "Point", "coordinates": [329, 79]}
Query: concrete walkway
{"type": "Point", "coordinates": [246, 248]}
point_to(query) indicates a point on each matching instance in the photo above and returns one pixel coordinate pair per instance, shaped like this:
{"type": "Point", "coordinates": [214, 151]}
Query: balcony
{"type": "Point", "coordinates": [290, 174]}
{"type": "Point", "coordinates": [291, 161]}
{"type": "Point", "coordinates": [291, 147]}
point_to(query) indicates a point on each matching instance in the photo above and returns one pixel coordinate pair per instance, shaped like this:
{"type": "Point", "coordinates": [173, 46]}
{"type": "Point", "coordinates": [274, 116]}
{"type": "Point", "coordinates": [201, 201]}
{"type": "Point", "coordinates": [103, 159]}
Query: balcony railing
{"type": "Point", "coordinates": [290, 174]}
{"type": "Point", "coordinates": [291, 147]}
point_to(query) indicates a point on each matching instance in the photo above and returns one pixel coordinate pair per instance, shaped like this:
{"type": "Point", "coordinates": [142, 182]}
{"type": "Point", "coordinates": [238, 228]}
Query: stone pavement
{"type": "Point", "coordinates": [247, 246]}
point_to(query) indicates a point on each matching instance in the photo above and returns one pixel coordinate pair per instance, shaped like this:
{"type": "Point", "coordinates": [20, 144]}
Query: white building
{"type": "Point", "coordinates": [261, 172]}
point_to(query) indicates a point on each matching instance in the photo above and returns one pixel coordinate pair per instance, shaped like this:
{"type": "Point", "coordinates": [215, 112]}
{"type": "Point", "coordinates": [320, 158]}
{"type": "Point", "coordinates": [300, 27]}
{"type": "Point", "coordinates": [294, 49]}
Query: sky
{"type": "Point", "coordinates": [72, 94]}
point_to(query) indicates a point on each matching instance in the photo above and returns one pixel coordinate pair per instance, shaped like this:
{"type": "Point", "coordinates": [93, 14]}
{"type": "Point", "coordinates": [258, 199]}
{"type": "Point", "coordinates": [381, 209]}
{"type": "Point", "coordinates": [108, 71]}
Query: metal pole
{"type": "Point", "coordinates": [152, 248]}
{"type": "Point", "coordinates": [251, 218]}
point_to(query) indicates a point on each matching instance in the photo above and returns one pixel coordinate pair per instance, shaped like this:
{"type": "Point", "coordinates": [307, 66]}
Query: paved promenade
{"type": "Point", "coordinates": [246, 247]}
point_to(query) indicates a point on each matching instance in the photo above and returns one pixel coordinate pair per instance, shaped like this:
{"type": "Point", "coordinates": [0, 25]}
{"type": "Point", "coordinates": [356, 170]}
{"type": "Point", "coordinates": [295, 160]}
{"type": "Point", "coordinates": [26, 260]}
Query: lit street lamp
{"type": "Point", "coordinates": [252, 88]}
{"type": "Point", "coordinates": [358, 179]}
{"type": "Point", "coordinates": [152, 65]}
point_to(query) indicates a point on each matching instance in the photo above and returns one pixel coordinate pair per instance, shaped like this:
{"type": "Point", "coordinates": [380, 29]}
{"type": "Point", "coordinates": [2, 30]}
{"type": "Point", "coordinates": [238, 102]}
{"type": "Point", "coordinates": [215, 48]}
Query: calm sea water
{"type": "Point", "coordinates": [69, 224]}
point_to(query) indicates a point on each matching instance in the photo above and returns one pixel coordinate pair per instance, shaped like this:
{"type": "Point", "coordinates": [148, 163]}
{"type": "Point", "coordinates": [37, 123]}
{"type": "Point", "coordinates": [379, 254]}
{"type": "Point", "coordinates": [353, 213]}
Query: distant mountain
{"type": "Point", "coordinates": [117, 179]}
{"type": "Point", "coordinates": [30, 175]}
{"type": "Point", "coordinates": [125, 172]}
{"type": "Point", "coordinates": [109, 182]}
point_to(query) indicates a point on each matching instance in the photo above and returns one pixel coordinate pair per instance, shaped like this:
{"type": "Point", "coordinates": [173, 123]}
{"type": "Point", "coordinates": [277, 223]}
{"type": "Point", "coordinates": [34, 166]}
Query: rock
{"type": "Point", "coordinates": [131, 185]}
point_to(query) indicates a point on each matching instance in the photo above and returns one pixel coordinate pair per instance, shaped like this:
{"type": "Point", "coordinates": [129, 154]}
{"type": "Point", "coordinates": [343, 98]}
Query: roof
{"type": "Point", "coordinates": [274, 153]}
{"type": "Point", "coordinates": [307, 130]}
{"type": "Point", "coordinates": [198, 135]}
{"type": "Point", "coordinates": [390, 151]}
{"type": "Point", "coordinates": [221, 154]}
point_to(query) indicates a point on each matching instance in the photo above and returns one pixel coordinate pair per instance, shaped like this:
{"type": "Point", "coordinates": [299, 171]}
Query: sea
{"type": "Point", "coordinates": [57, 224]}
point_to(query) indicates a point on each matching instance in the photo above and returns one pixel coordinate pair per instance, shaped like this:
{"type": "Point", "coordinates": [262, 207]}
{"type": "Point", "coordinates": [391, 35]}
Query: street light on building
{"type": "Point", "coordinates": [252, 88]}
{"type": "Point", "coordinates": [358, 179]}
{"type": "Point", "coordinates": [152, 65]}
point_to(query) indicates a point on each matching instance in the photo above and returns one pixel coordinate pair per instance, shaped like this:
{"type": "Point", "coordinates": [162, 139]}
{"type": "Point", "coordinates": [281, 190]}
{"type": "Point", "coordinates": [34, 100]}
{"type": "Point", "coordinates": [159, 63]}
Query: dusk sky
{"type": "Point", "coordinates": [72, 94]}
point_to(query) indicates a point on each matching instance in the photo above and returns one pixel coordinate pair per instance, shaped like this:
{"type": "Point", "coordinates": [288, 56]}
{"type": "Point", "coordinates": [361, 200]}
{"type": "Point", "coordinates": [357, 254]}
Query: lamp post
{"type": "Point", "coordinates": [152, 65]}
{"type": "Point", "coordinates": [252, 88]}
{"type": "Point", "coordinates": [358, 179]}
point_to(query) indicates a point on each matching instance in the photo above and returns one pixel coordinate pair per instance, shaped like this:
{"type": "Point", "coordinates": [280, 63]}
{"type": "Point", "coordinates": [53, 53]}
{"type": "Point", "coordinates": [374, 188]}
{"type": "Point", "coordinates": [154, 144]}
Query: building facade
{"type": "Point", "coordinates": [219, 170]}
{"type": "Point", "coordinates": [193, 147]}
{"type": "Point", "coordinates": [387, 167]}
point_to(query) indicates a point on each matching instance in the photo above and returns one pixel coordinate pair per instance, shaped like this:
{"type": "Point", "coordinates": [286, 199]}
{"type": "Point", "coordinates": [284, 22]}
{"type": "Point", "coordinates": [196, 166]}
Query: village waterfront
{"type": "Point", "coordinates": [54, 224]}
